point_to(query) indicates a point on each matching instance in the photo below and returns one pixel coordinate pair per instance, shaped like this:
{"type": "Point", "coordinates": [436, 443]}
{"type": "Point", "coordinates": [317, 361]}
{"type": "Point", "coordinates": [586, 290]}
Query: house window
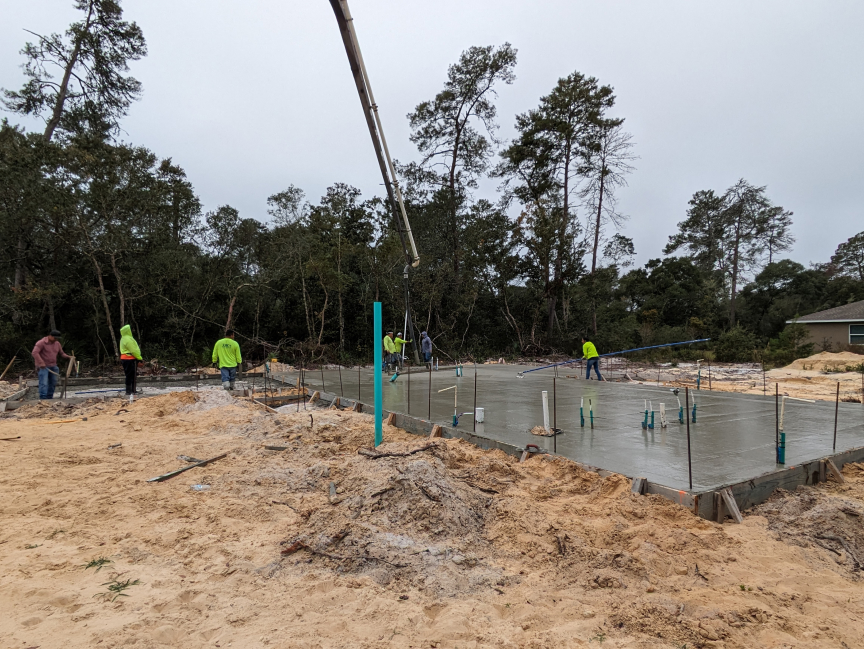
{"type": "Point", "coordinates": [856, 334]}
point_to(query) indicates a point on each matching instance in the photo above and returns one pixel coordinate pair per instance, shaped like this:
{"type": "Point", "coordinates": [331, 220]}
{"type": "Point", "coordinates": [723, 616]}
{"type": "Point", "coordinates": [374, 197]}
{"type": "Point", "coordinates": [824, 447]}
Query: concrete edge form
{"type": "Point", "coordinates": [418, 426]}
{"type": "Point", "coordinates": [707, 504]}
{"type": "Point", "coordinates": [755, 491]}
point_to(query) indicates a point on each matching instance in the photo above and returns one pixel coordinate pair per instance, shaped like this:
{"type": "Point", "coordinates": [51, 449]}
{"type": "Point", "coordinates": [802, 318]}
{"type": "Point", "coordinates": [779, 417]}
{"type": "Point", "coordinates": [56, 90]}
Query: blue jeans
{"type": "Point", "coordinates": [595, 363]}
{"type": "Point", "coordinates": [427, 356]}
{"type": "Point", "coordinates": [228, 373]}
{"type": "Point", "coordinates": [47, 381]}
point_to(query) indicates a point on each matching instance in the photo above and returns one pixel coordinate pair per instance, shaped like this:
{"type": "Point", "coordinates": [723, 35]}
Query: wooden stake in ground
{"type": "Point", "coordinates": [836, 410]}
{"type": "Point", "coordinates": [475, 397]}
{"type": "Point", "coordinates": [687, 416]}
{"type": "Point", "coordinates": [68, 372]}
{"type": "Point", "coordinates": [7, 367]}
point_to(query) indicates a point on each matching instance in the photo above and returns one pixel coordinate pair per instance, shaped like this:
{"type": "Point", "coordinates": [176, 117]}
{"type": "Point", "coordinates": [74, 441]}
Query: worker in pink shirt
{"type": "Point", "coordinates": [45, 354]}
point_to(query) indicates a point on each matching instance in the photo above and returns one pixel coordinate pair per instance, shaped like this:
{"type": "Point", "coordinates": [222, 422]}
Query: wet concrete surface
{"type": "Point", "coordinates": [731, 441]}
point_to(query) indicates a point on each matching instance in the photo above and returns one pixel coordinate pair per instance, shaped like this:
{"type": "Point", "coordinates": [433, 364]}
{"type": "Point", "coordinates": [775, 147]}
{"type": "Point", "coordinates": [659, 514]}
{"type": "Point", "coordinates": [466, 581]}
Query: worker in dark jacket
{"type": "Point", "coordinates": [426, 347]}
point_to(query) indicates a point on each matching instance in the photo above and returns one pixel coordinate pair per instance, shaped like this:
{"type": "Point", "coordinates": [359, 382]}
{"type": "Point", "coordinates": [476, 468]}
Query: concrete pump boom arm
{"type": "Point", "coordinates": [373, 119]}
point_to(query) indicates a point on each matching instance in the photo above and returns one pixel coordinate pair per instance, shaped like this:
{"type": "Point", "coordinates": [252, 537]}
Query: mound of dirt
{"type": "Point", "coordinates": [827, 361]}
{"type": "Point", "coordinates": [301, 535]}
{"type": "Point", "coordinates": [7, 389]}
{"type": "Point", "coordinates": [275, 368]}
{"type": "Point", "coordinates": [810, 517]}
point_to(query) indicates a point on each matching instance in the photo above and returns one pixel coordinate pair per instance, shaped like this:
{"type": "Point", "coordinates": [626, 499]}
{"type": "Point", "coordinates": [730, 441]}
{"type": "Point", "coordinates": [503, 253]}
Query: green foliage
{"type": "Point", "coordinates": [90, 60]}
{"type": "Point", "coordinates": [734, 234]}
{"type": "Point", "coordinates": [97, 563]}
{"type": "Point", "coordinates": [789, 345]}
{"type": "Point", "coordinates": [735, 346]}
{"type": "Point", "coordinates": [116, 588]}
{"type": "Point", "coordinates": [95, 234]}
{"type": "Point", "coordinates": [849, 257]}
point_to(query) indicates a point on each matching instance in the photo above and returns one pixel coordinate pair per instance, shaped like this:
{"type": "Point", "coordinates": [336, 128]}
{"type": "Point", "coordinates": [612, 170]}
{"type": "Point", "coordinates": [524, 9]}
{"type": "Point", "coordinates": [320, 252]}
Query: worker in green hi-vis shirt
{"type": "Point", "coordinates": [226, 353]}
{"type": "Point", "coordinates": [589, 353]}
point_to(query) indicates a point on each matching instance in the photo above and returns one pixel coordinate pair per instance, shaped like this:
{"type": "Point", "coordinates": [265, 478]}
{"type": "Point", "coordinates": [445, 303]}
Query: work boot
{"type": "Point", "coordinates": [231, 384]}
{"type": "Point", "coordinates": [226, 385]}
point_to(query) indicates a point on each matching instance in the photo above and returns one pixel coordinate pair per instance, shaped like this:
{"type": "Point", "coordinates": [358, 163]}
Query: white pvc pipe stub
{"type": "Point", "coordinates": [546, 411]}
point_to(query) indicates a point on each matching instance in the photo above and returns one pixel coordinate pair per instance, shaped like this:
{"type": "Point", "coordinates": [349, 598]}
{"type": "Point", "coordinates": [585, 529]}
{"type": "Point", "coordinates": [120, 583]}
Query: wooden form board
{"type": "Point", "coordinates": [704, 504]}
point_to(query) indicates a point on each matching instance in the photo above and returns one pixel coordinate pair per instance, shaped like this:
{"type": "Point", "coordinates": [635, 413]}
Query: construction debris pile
{"type": "Point", "coordinates": [303, 535]}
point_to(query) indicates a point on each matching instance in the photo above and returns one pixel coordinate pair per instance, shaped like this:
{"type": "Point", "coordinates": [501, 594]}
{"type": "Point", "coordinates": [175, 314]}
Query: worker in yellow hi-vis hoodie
{"type": "Point", "coordinates": [589, 353]}
{"type": "Point", "coordinates": [226, 353]}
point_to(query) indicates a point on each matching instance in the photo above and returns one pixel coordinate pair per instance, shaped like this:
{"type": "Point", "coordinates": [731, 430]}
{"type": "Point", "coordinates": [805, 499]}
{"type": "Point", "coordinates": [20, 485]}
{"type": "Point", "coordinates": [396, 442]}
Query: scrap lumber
{"type": "Point", "coordinates": [835, 471]}
{"type": "Point", "coordinates": [437, 431]}
{"type": "Point", "coordinates": [374, 455]}
{"type": "Point", "coordinates": [171, 474]}
{"type": "Point", "coordinates": [731, 505]}
{"type": "Point", "coordinates": [638, 486]}
{"type": "Point", "coordinates": [391, 419]}
{"type": "Point", "coordinates": [7, 367]}
{"type": "Point", "coordinates": [269, 409]}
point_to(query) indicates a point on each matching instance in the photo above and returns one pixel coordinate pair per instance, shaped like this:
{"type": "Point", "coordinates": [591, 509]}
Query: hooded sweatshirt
{"type": "Point", "coordinates": [426, 345]}
{"type": "Point", "coordinates": [129, 349]}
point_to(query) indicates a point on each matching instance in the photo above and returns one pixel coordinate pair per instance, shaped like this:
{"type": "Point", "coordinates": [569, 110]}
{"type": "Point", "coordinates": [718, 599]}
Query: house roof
{"type": "Point", "coordinates": [852, 312]}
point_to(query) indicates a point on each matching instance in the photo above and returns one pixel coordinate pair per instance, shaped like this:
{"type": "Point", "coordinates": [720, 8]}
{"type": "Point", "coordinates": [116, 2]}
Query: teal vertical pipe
{"type": "Point", "coordinates": [378, 354]}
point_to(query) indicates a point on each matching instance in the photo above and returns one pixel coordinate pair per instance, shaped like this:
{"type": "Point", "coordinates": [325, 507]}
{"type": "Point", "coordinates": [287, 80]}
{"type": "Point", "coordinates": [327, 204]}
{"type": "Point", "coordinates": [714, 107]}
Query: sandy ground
{"type": "Point", "coordinates": [815, 377]}
{"type": "Point", "coordinates": [435, 543]}
{"type": "Point", "coordinates": [8, 388]}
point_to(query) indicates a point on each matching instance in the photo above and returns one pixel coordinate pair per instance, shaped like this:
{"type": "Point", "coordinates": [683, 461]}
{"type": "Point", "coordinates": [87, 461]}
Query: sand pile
{"type": "Point", "coordinates": [827, 361]}
{"type": "Point", "coordinates": [419, 543]}
{"type": "Point", "coordinates": [8, 388]}
{"type": "Point", "coordinates": [275, 368]}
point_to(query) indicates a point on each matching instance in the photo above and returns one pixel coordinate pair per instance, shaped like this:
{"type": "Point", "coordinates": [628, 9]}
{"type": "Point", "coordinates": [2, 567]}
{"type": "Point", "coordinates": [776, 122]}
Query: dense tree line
{"type": "Point", "coordinates": [97, 233]}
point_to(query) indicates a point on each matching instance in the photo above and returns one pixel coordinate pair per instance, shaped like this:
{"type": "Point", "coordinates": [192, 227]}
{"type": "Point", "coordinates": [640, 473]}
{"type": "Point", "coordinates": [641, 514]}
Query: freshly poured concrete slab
{"type": "Point", "coordinates": [731, 441]}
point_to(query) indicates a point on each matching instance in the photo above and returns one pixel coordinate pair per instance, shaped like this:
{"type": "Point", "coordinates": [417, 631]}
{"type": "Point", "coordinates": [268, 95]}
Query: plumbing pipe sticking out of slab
{"type": "Point", "coordinates": [675, 391]}
{"type": "Point", "coordinates": [783, 408]}
{"type": "Point", "coordinates": [645, 420]}
{"type": "Point", "coordinates": [455, 402]}
{"type": "Point", "coordinates": [591, 413]}
{"type": "Point", "coordinates": [546, 411]}
{"type": "Point", "coordinates": [777, 421]}
{"type": "Point", "coordinates": [663, 422]}
{"type": "Point", "coordinates": [651, 408]}
{"type": "Point", "coordinates": [699, 373]}
{"type": "Point", "coordinates": [693, 415]}
{"type": "Point", "coordinates": [582, 412]}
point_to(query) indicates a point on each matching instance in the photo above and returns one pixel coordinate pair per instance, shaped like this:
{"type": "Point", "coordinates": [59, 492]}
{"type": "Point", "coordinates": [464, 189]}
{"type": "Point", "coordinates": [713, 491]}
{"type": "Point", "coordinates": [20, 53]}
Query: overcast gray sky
{"type": "Point", "coordinates": [252, 96]}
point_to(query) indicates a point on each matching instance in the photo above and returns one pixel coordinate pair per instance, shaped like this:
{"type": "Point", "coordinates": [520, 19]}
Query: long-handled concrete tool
{"type": "Point", "coordinates": [625, 351]}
